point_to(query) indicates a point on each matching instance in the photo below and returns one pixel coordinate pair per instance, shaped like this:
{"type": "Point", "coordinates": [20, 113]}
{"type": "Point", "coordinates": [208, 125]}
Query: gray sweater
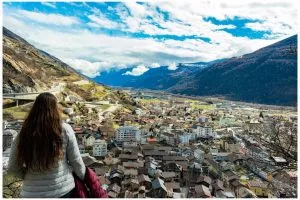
{"type": "Point", "coordinates": [55, 182]}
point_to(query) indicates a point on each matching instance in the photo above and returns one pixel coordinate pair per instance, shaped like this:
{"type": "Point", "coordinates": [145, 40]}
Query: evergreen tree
{"type": "Point", "coordinates": [261, 115]}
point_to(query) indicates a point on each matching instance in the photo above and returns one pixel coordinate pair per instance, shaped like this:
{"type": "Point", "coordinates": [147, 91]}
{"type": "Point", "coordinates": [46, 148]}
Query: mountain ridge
{"type": "Point", "coordinates": [268, 75]}
{"type": "Point", "coordinates": [28, 69]}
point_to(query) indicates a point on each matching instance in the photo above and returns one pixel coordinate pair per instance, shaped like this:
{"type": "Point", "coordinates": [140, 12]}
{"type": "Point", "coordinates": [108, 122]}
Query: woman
{"type": "Point", "coordinates": [45, 152]}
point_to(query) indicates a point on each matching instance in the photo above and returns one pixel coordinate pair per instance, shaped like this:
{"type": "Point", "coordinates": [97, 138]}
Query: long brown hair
{"type": "Point", "coordinates": [40, 140]}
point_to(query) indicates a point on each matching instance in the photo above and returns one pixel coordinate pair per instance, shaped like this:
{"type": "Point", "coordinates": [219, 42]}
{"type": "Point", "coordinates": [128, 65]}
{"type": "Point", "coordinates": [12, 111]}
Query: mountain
{"type": "Point", "coordinates": [28, 69]}
{"type": "Point", "coordinates": [155, 78]}
{"type": "Point", "coordinates": [267, 76]}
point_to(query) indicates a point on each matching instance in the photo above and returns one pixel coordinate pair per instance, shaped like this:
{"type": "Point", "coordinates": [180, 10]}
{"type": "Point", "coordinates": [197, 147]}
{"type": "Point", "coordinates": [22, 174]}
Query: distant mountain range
{"type": "Point", "coordinates": [160, 78]}
{"type": "Point", "coordinates": [267, 76]}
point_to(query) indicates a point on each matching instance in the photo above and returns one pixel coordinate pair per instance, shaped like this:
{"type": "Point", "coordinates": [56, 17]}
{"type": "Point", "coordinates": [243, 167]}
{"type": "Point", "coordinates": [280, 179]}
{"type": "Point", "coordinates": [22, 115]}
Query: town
{"type": "Point", "coordinates": [177, 147]}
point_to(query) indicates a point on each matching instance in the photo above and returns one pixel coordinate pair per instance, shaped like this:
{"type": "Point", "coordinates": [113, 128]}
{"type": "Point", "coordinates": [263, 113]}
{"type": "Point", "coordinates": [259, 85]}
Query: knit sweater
{"type": "Point", "coordinates": [55, 182]}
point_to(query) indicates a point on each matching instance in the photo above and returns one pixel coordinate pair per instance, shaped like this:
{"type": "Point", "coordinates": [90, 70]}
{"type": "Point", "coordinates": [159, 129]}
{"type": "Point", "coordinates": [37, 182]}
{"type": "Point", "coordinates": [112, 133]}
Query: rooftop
{"type": "Point", "coordinates": [258, 183]}
{"type": "Point", "coordinates": [279, 159]}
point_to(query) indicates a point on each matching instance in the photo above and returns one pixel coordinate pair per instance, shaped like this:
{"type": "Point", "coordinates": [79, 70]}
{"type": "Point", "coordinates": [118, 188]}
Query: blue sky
{"type": "Point", "coordinates": [96, 37]}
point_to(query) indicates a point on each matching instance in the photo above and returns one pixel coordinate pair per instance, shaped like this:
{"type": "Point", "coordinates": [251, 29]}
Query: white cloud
{"type": "Point", "coordinates": [101, 21]}
{"type": "Point", "coordinates": [172, 66]}
{"type": "Point", "coordinates": [52, 5]}
{"type": "Point", "coordinates": [91, 53]}
{"type": "Point", "coordinates": [155, 65]}
{"type": "Point", "coordinates": [136, 9]}
{"type": "Point", "coordinates": [123, 51]}
{"type": "Point", "coordinates": [137, 71]}
{"type": "Point", "coordinates": [187, 18]}
{"type": "Point", "coordinates": [90, 69]}
{"type": "Point", "coordinates": [271, 26]}
{"type": "Point", "coordinates": [54, 19]}
{"type": "Point", "coordinates": [230, 26]}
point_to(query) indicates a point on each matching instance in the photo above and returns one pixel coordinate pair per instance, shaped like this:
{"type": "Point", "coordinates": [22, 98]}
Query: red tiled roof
{"type": "Point", "coordinates": [152, 139]}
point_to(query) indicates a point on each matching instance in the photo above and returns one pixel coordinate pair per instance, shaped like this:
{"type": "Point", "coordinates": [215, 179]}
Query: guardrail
{"type": "Point", "coordinates": [15, 94]}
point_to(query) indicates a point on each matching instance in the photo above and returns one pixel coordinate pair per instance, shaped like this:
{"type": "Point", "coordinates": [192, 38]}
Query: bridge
{"type": "Point", "coordinates": [31, 96]}
{"type": "Point", "coordinates": [96, 102]}
{"type": "Point", "coordinates": [21, 96]}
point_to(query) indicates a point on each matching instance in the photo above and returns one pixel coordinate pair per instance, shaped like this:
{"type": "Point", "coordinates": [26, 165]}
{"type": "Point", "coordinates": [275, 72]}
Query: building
{"type": "Point", "coordinates": [88, 140]}
{"type": "Point", "coordinates": [185, 138]}
{"type": "Point", "coordinates": [130, 144]}
{"type": "Point", "coordinates": [217, 187]}
{"type": "Point", "coordinates": [170, 138]}
{"type": "Point", "coordinates": [159, 189]}
{"type": "Point", "coordinates": [91, 162]}
{"type": "Point", "coordinates": [100, 148]}
{"type": "Point", "coordinates": [243, 192]}
{"type": "Point", "coordinates": [279, 161]}
{"type": "Point", "coordinates": [219, 157]}
{"type": "Point", "coordinates": [201, 191]}
{"type": "Point", "coordinates": [224, 194]}
{"type": "Point", "coordinates": [68, 111]}
{"type": "Point", "coordinates": [8, 137]}
{"type": "Point", "coordinates": [287, 176]}
{"type": "Point", "coordinates": [214, 149]}
{"type": "Point", "coordinates": [169, 176]}
{"type": "Point", "coordinates": [204, 180]}
{"type": "Point", "coordinates": [203, 132]}
{"type": "Point", "coordinates": [145, 181]}
{"type": "Point", "coordinates": [259, 188]}
{"type": "Point", "coordinates": [199, 154]}
{"type": "Point", "coordinates": [151, 140]}
{"type": "Point", "coordinates": [152, 167]}
{"type": "Point", "coordinates": [231, 145]}
{"type": "Point", "coordinates": [128, 133]}
{"type": "Point", "coordinates": [4, 124]}
{"type": "Point", "coordinates": [81, 148]}
{"type": "Point", "coordinates": [202, 119]}
{"type": "Point", "coordinates": [139, 111]}
{"type": "Point", "coordinates": [14, 125]}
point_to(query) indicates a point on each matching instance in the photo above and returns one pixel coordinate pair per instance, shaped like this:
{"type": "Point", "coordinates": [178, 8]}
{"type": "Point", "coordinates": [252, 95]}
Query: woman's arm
{"type": "Point", "coordinates": [13, 167]}
{"type": "Point", "coordinates": [73, 153]}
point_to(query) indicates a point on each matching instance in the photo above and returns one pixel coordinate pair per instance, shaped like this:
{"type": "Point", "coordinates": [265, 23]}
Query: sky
{"type": "Point", "coordinates": [101, 36]}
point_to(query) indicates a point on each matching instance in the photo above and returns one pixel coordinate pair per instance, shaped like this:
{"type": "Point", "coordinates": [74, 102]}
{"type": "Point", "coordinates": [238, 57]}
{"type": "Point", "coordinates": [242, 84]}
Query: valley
{"type": "Point", "coordinates": [164, 134]}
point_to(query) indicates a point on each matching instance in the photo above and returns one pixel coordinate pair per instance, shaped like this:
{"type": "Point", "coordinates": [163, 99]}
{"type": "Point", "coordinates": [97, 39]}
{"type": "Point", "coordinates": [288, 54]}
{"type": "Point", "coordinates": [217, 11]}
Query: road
{"type": "Point", "coordinates": [112, 108]}
{"type": "Point", "coordinates": [55, 89]}
{"type": "Point", "coordinates": [237, 138]}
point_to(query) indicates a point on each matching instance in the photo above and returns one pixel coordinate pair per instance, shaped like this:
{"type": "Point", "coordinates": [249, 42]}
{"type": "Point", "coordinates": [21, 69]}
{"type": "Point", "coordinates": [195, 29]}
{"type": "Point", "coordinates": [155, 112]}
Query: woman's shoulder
{"type": "Point", "coordinates": [67, 129]}
{"type": "Point", "coordinates": [66, 126]}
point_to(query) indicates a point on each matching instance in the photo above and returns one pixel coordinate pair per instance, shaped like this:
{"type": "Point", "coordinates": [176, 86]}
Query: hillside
{"type": "Point", "coordinates": [267, 76]}
{"type": "Point", "coordinates": [28, 69]}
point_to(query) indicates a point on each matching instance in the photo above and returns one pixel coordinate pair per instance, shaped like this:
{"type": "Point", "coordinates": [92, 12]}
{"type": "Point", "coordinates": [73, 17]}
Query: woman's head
{"type": "Point", "coordinates": [40, 141]}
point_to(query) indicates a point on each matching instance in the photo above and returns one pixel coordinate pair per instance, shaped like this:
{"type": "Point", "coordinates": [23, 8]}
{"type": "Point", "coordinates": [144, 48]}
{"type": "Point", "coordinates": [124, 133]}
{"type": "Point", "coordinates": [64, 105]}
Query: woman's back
{"type": "Point", "coordinates": [54, 182]}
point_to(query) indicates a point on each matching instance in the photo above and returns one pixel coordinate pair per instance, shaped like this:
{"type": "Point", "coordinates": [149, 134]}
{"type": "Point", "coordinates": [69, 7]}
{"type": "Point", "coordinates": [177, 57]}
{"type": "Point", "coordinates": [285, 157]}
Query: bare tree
{"type": "Point", "coordinates": [279, 136]}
